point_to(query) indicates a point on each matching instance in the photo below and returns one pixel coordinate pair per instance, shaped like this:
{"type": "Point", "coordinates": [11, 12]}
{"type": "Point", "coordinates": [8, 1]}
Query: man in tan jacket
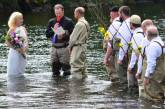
{"type": "Point", "coordinates": [77, 44]}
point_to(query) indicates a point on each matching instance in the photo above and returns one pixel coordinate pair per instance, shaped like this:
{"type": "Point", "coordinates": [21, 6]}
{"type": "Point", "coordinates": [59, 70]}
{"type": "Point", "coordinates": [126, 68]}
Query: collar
{"type": "Point", "coordinates": [117, 18]}
{"type": "Point", "coordinates": [61, 18]}
{"type": "Point", "coordinates": [82, 18]}
{"type": "Point", "coordinates": [156, 39]}
{"type": "Point", "coordinates": [127, 20]}
{"type": "Point", "coordinates": [139, 29]}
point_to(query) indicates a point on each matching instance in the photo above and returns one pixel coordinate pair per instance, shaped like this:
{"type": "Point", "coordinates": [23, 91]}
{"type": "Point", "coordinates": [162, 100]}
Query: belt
{"type": "Point", "coordinates": [78, 44]}
{"type": "Point", "coordinates": [61, 45]}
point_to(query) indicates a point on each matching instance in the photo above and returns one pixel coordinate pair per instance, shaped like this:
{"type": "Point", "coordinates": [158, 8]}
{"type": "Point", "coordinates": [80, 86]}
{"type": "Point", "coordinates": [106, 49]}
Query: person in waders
{"type": "Point", "coordinates": [59, 30]}
{"type": "Point", "coordinates": [78, 44]}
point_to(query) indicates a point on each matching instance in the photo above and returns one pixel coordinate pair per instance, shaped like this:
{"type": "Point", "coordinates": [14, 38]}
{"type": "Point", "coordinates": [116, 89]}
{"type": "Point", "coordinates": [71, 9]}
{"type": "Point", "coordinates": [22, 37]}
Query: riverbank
{"type": "Point", "coordinates": [46, 5]}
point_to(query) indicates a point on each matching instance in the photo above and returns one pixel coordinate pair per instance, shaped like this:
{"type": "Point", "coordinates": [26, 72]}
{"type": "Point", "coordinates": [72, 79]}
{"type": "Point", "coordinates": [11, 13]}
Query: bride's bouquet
{"type": "Point", "coordinates": [16, 41]}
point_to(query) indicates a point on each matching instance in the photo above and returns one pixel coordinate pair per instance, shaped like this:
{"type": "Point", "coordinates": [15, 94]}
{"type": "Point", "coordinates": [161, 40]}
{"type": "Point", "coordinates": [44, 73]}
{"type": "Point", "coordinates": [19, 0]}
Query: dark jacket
{"type": "Point", "coordinates": [66, 23]}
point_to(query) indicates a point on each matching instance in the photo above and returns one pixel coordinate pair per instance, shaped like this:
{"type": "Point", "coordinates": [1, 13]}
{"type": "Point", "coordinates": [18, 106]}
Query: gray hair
{"type": "Point", "coordinates": [147, 22]}
{"type": "Point", "coordinates": [152, 31]}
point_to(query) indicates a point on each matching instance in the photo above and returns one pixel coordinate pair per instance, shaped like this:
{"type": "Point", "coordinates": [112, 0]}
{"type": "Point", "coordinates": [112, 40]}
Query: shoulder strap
{"type": "Point", "coordinates": [86, 29]}
{"type": "Point", "coordinates": [141, 33]}
{"type": "Point", "coordinates": [85, 26]}
{"type": "Point", "coordinates": [143, 54]}
{"type": "Point", "coordinates": [160, 45]}
{"type": "Point", "coordinates": [118, 21]}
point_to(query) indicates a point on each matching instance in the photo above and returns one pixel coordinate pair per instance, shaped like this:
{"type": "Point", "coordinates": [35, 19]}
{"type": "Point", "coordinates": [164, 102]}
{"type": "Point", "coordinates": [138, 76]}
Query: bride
{"type": "Point", "coordinates": [17, 54]}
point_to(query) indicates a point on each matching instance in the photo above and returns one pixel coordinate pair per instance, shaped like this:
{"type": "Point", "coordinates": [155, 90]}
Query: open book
{"type": "Point", "coordinates": [59, 31]}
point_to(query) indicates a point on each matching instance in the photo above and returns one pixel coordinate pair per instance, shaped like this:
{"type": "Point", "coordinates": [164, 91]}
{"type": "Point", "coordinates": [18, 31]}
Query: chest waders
{"type": "Point", "coordinates": [155, 90]}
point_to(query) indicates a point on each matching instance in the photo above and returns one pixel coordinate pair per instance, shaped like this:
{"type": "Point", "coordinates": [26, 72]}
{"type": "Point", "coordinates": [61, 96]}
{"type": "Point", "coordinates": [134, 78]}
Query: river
{"type": "Point", "coordinates": [38, 90]}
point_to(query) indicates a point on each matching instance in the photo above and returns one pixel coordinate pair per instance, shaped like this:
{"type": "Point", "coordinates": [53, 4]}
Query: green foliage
{"type": "Point", "coordinates": [10, 4]}
{"type": "Point", "coordinates": [4, 38]}
{"type": "Point", "coordinates": [39, 2]}
{"type": "Point", "coordinates": [117, 2]}
{"type": "Point", "coordinates": [129, 1]}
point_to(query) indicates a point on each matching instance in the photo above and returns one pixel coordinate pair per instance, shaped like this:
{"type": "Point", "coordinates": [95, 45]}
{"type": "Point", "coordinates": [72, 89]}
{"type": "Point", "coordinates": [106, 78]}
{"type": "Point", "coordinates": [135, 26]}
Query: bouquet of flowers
{"type": "Point", "coordinates": [104, 33]}
{"type": "Point", "coordinates": [16, 41]}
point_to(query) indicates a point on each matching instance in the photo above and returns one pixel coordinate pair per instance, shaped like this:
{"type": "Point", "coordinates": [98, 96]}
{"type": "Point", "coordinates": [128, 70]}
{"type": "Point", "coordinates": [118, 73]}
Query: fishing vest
{"type": "Point", "coordinates": [156, 87]}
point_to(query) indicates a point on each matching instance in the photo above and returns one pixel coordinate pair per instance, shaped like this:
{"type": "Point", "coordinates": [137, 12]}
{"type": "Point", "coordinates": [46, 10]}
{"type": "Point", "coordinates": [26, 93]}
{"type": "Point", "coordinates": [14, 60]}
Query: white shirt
{"type": "Point", "coordinates": [136, 41]}
{"type": "Point", "coordinates": [113, 28]}
{"type": "Point", "coordinates": [145, 42]}
{"type": "Point", "coordinates": [125, 35]}
{"type": "Point", "coordinates": [153, 51]}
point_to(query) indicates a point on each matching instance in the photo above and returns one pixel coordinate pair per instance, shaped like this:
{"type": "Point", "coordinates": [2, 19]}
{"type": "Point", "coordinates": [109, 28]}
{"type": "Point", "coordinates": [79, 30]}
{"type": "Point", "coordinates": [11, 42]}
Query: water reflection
{"type": "Point", "coordinates": [15, 88]}
{"type": "Point", "coordinates": [16, 84]}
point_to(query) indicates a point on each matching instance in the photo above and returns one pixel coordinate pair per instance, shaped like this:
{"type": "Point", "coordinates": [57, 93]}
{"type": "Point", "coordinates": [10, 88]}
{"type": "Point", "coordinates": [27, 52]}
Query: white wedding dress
{"type": "Point", "coordinates": [16, 62]}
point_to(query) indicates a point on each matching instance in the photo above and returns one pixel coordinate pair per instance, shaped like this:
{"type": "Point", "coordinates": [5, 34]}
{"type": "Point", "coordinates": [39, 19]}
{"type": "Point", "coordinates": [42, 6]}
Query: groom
{"type": "Point", "coordinates": [59, 30]}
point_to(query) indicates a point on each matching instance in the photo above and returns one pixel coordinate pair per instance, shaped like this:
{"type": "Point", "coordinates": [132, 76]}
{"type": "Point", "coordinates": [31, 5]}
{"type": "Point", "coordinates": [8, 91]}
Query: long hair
{"type": "Point", "coordinates": [13, 18]}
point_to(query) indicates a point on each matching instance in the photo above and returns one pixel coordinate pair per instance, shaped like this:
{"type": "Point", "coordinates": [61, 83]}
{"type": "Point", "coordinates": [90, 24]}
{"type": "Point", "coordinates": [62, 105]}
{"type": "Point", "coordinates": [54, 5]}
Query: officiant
{"type": "Point", "coordinates": [58, 31]}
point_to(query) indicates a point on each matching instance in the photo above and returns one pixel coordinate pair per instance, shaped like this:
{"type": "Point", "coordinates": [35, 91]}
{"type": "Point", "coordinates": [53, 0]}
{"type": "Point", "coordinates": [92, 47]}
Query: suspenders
{"type": "Point", "coordinates": [143, 55]}
{"type": "Point", "coordinates": [160, 46]}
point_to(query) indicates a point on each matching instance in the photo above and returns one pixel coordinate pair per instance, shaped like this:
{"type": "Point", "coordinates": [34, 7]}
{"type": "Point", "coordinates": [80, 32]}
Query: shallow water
{"type": "Point", "coordinates": [39, 90]}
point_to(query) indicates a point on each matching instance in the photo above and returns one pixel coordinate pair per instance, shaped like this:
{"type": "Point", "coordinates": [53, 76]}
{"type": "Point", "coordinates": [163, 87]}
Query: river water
{"type": "Point", "coordinates": [38, 90]}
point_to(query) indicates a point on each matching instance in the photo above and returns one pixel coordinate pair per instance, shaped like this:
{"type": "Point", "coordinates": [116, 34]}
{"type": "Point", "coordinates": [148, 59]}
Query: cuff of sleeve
{"type": "Point", "coordinates": [148, 75]}
{"type": "Point", "coordinates": [109, 45]}
{"type": "Point", "coordinates": [139, 71]}
{"type": "Point", "coordinates": [131, 66]}
{"type": "Point", "coordinates": [121, 57]}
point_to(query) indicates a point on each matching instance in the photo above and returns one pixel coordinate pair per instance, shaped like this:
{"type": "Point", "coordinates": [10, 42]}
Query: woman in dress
{"type": "Point", "coordinates": [17, 55]}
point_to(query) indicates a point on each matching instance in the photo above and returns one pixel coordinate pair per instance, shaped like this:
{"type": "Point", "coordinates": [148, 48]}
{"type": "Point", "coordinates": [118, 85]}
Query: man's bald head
{"type": "Point", "coordinates": [146, 23]}
{"type": "Point", "coordinates": [152, 32]}
{"type": "Point", "coordinates": [79, 12]}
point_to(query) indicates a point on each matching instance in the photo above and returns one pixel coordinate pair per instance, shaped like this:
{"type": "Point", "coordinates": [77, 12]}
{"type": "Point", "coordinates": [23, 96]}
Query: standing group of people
{"type": "Point", "coordinates": [68, 43]}
{"type": "Point", "coordinates": [134, 46]}
{"type": "Point", "coordinates": [135, 54]}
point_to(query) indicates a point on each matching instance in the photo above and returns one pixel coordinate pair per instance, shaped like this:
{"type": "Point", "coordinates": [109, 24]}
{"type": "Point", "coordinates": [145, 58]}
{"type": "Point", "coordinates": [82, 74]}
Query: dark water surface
{"type": "Point", "coordinates": [38, 90]}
